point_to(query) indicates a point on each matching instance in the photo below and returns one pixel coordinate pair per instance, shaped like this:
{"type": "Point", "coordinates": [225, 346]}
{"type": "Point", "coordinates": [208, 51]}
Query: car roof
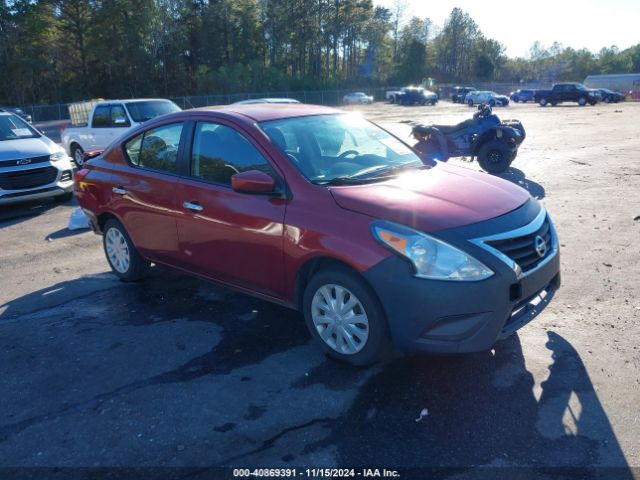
{"type": "Point", "coordinates": [262, 112]}
{"type": "Point", "coordinates": [254, 101]}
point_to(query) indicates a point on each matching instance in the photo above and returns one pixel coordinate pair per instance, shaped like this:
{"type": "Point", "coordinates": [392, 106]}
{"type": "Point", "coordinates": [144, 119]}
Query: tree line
{"type": "Point", "coordinates": [54, 51]}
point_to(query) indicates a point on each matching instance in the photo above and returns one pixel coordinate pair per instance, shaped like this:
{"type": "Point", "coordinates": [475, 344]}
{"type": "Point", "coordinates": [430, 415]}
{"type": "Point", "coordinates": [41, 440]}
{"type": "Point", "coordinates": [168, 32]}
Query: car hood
{"type": "Point", "coordinates": [26, 148]}
{"type": "Point", "coordinates": [436, 199]}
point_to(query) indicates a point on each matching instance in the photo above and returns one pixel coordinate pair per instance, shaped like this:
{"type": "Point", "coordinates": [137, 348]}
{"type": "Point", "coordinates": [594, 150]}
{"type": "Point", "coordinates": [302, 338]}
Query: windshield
{"type": "Point", "coordinates": [340, 149]}
{"type": "Point", "coordinates": [143, 111]}
{"type": "Point", "coordinates": [13, 127]}
{"type": "Point", "coordinates": [580, 86]}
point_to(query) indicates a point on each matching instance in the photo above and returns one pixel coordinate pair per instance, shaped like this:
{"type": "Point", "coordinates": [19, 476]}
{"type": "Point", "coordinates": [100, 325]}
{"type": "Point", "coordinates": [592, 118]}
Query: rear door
{"type": "Point", "coordinates": [232, 237]}
{"type": "Point", "coordinates": [144, 191]}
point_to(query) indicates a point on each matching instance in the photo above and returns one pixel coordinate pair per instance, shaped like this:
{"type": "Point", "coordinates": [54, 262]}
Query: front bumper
{"type": "Point", "coordinates": [455, 317]}
{"type": "Point", "coordinates": [61, 184]}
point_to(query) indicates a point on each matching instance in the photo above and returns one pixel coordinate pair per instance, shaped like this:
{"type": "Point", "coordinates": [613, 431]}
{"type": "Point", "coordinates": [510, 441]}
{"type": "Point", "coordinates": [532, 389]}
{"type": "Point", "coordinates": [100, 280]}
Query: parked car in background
{"type": "Point", "coordinates": [324, 212]}
{"type": "Point", "coordinates": [357, 98]}
{"type": "Point", "coordinates": [108, 120]}
{"type": "Point", "coordinates": [18, 111]}
{"type": "Point", "coordinates": [523, 96]}
{"type": "Point", "coordinates": [567, 92]}
{"type": "Point", "coordinates": [254, 101]}
{"type": "Point", "coordinates": [485, 96]}
{"type": "Point", "coordinates": [458, 94]}
{"type": "Point", "coordinates": [415, 95]}
{"type": "Point", "coordinates": [609, 96]}
{"type": "Point", "coordinates": [31, 165]}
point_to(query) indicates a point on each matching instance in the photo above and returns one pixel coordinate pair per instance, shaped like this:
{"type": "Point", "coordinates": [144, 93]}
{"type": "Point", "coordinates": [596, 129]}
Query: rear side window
{"type": "Point", "coordinates": [219, 152]}
{"type": "Point", "coordinates": [101, 117]}
{"type": "Point", "coordinates": [156, 149]}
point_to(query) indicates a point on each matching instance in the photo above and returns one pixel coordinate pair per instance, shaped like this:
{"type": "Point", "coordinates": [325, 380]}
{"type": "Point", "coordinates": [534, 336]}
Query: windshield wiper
{"type": "Point", "coordinates": [379, 172]}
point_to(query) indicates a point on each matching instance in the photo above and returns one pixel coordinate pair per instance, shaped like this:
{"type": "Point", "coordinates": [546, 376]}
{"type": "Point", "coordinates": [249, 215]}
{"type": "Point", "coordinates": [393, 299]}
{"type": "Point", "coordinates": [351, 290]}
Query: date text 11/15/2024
{"type": "Point", "coordinates": [315, 473]}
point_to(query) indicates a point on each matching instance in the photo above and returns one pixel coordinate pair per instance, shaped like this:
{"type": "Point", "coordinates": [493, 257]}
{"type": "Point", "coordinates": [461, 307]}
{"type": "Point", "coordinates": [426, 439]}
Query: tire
{"type": "Point", "coordinates": [494, 156]}
{"type": "Point", "coordinates": [368, 345]}
{"type": "Point", "coordinates": [554, 104]}
{"type": "Point", "coordinates": [607, 100]}
{"type": "Point", "coordinates": [64, 197]}
{"type": "Point", "coordinates": [78, 155]}
{"type": "Point", "coordinates": [543, 102]}
{"type": "Point", "coordinates": [582, 101]}
{"type": "Point", "coordinates": [123, 258]}
{"type": "Point", "coordinates": [470, 103]}
{"type": "Point", "coordinates": [492, 103]}
{"type": "Point", "coordinates": [392, 99]}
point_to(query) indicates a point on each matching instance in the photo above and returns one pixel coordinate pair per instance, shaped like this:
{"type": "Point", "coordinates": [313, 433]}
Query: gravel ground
{"type": "Point", "coordinates": [176, 372]}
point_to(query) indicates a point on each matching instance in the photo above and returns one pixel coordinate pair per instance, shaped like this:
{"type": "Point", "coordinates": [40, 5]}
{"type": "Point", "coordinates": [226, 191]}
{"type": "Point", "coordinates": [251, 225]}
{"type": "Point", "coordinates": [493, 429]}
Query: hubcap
{"type": "Point", "coordinates": [340, 319]}
{"type": "Point", "coordinates": [117, 250]}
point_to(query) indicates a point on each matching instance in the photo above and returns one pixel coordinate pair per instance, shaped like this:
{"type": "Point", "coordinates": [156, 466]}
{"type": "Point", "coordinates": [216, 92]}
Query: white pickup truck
{"type": "Point", "coordinates": [108, 120]}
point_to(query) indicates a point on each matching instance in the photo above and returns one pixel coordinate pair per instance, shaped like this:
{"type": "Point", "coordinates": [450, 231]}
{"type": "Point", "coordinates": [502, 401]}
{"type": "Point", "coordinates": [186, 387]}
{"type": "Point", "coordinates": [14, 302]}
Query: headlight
{"type": "Point", "coordinates": [54, 157]}
{"type": "Point", "coordinates": [431, 258]}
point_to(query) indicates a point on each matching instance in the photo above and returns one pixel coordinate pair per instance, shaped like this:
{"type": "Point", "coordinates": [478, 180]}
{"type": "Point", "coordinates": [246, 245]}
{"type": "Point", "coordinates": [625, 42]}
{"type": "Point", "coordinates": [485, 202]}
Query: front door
{"type": "Point", "coordinates": [232, 237]}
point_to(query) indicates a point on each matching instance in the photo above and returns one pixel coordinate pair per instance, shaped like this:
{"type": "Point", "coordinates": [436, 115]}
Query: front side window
{"type": "Point", "coordinates": [102, 117]}
{"type": "Point", "coordinates": [156, 149]}
{"type": "Point", "coordinates": [339, 148]}
{"type": "Point", "coordinates": [119, 117]}
{"type": "Point", "coordinates": [219, 152]}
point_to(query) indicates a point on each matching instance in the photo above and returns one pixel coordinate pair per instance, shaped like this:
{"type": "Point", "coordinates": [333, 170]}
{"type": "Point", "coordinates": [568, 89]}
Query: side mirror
{"type": "Point", "coordinates": [253, 181]}
{"type": "Point", "coordinates": [120, 121]}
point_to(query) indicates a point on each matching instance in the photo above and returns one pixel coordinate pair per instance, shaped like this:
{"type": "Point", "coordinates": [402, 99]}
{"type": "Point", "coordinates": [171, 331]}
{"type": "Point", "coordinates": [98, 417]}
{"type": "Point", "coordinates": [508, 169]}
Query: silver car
{"type": "Point", "coordinates": [31, 165]}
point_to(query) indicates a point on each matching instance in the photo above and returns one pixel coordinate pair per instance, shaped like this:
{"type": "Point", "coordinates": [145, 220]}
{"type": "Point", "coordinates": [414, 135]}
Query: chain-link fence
{"type": "Point", "coordinates": [60, 112]}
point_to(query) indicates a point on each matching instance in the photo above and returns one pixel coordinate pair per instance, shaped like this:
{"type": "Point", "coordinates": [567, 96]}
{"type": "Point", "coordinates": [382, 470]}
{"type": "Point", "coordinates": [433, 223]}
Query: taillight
{"type": "Point", "coordinates": [80, 174]}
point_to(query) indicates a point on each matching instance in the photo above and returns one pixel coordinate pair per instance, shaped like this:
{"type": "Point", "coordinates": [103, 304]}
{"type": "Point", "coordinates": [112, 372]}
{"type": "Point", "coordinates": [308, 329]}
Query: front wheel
{"type": "Point", "coordinates": [543, 102]}
{"type": "Point", "coordinates": [470, 103]}
{"type": "Point", "coordinates": [78, 155]}
{"type": "Point", "coordinates": [344, 315]}
{"type": "Point", "coordinates": [495, 156]}
{"type": "Point", "coordinates": [492, 103]}
{"type": "Point", "coordinates": [123, 258]}
{"type": "Point", "coordinates": [582, 101]}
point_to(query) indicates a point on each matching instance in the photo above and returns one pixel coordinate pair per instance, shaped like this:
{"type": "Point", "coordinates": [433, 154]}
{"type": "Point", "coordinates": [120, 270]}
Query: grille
{"type": "Point", "coordinates": [13, 163]}
{"type": "Point", "coordinates": [522, 250]}
{"type": "Point", "coordinates": [66, 176]}
{"type": "Point", "coordinates": [32, 178]}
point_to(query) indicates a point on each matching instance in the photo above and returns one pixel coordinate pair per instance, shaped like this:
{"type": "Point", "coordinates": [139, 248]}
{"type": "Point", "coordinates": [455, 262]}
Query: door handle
{"type": "Point", "coordinates": [119, 190]}
{"type": "Point", "coordinates": [194, 206]}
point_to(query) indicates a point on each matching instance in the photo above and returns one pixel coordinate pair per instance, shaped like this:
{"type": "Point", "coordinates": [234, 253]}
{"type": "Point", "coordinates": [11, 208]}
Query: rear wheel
{"type": "Point", "coordinates": [495, 156]}
{"type": "Point", "coordinates": [344, 315]}
{"type": "Point", "coordinates": [123, 258]}
{"type": "Point", "coordinates": [543, 102]}
{"type": "Point", "coordinates": [492, 103]}
{"type": "Point", "coordinates": [582, 101]}
{"type": "Point", "coordinates": [470, 103]}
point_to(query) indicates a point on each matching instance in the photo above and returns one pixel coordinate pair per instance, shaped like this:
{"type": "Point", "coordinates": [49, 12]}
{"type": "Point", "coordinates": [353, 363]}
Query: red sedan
{"type": "Point", "coordinates": [327, 213]}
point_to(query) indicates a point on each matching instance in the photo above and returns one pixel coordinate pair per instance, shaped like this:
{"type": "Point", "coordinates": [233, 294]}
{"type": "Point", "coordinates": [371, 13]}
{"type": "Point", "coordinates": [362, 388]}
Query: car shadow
{"type": "Point", "coordinates": [481, 410]}
{"type": "Point", "coordinates": [65, 233]}
{"type": "Point", "coordinates": [14, 214]}
{"type": "Point", "coordinates": [518, 177]}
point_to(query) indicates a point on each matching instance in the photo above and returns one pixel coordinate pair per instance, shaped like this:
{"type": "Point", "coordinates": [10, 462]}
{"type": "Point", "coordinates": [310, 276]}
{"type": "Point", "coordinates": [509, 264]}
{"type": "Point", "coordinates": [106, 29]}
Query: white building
{"type": "Point", "coordinates": [622, 82]}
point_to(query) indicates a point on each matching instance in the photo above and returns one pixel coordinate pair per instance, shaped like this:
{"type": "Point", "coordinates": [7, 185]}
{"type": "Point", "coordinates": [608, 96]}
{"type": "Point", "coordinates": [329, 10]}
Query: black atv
{"type": "Point", "coordinates": [494, 142]}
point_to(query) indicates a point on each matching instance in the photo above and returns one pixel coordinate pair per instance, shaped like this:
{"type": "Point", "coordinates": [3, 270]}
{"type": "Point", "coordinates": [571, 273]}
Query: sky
{"type": "Point", "coordinates": [590, 24]}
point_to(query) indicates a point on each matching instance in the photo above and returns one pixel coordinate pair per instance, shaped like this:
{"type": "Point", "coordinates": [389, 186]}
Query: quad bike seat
{"type": "Point", "coordinates": [446, 129]}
